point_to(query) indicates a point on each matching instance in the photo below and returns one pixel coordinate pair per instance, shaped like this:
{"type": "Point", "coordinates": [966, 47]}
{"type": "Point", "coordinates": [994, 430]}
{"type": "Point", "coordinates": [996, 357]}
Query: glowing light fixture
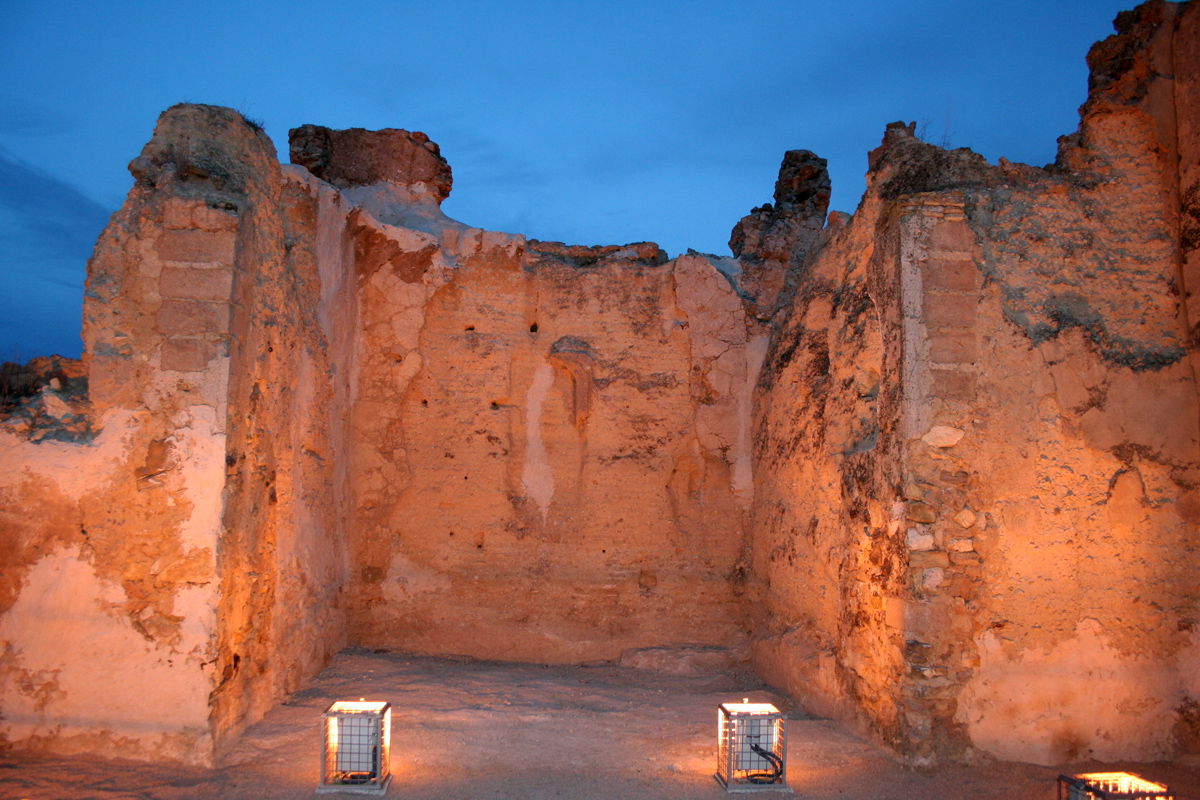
{"type": "Point", "coordinates": [1110, 786]}
{"type": "Point", "coordinates": [357, 747]}
{"type": "Point", "coordinates": [751, 747]}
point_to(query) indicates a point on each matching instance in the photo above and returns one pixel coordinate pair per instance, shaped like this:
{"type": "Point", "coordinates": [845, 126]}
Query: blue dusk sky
{"type": "Point", "coordinates": [584, 122]}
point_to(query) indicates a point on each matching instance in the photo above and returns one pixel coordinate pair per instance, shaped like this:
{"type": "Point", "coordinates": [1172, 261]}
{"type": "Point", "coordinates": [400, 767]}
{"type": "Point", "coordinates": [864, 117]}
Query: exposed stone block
{"type": "Point", "coordinates": [192, 317]}
{"type": "Point", "coordinates": [951, 236]}
{"type": "Point", "coordinates": [921, 512]}
{"type": "Point", "coordinates": [925, 559]}
{"type": "Point", "coordinates": [953, 348]}
{"type": "Point", "coordinates": [177, 212]}
{"type": "Point", "coordinates": [952, 384]}
{"type": "Point", "coordinates": [932, 578]}
{"type": "Point", "coordinates": [187, 354]}
{"type": "Point", "coordinates": [957, 274]}
{"type": "Point", "coordinates": [186, 213]}
{"type": "Point", "coordinates": [919, 539]}
{"type": "Point", "coordinates": [950, 310]}
{"type": "Point", "coordinates": [956, 478]}
{"type": "Point", "coordinates": [197, 246]}
{"type": "Point", "coordinates": [195, 284]}
{"type": "Point", "coordinates": [207, 218]}
{"type": "Point", "coordinates": [942, 436]}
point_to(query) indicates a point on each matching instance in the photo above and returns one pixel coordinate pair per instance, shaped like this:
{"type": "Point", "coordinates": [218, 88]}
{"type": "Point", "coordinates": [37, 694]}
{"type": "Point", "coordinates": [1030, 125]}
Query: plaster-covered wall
{"type": "Point", "coordinates": [993, 545]}
{"type": "Point", "coordinates": [138, 540]}
{"type": "Point", "coordinates": [552, 450]}
{"type": "Point", "coordinates": [1087, 489]}
{"type": "Point", "coordinates": [828, 560]}
{"type": "Point", "coordinates": [286, 500]}
{"type": "Point", "coordinates": [108, 606]}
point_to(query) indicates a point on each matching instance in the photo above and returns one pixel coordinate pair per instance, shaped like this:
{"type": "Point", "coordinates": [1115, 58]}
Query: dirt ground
{"type": "Point", "coordinates": [465, 730]}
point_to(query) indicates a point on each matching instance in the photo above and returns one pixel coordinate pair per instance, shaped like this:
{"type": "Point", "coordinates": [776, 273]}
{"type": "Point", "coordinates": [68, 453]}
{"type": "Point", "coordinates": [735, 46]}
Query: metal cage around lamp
{"type": "Point", "coordinates": [356, 747]}
{"type": "Point", "coordinates": [751, 747]}
{"type": "Point", "coordinates": [1110, 786]}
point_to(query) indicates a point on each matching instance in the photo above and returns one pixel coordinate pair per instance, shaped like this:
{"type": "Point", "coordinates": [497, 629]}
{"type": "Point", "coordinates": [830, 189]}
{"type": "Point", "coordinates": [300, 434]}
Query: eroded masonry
{"type": "Point", "coordinates": [931, 468]}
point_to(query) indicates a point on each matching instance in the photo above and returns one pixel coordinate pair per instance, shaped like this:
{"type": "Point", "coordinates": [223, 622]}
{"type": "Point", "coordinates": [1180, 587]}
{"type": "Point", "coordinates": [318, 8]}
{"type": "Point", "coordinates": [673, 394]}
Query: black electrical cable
{"type": "Point", "coordinates": [776, 766]}
{"type": "Point", "coordinates": [352, 778]}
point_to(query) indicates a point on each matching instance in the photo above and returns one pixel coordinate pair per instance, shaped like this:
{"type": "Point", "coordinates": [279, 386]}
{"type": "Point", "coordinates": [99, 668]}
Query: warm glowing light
{"type": "Point", "coordinates": [751, 708]}
{"type": "Point", "coordinates": [1110, 786]}
{"type": "Point", "coordinates": [357, 747]}
{"type": "Point", "coordinates": [751, 747]}
{"type": "Point", "coordinates": [358, 706]}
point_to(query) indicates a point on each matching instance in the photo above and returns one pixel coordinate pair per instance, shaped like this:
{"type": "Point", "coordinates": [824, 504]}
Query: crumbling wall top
{"type": "Point", "coordinates": [358, 157]}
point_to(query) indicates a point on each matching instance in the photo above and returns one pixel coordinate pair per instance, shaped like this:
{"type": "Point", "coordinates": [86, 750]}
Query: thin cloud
{"type": "Point", "coordinates": [47, 229]}
{"type": "Point", "coordinates": [44, 216]}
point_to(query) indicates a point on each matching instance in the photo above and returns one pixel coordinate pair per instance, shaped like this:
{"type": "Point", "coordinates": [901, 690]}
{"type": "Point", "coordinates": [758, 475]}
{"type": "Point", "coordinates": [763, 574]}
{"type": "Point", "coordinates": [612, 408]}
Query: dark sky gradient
{"type": "Point", "coordinates": [587, 122]}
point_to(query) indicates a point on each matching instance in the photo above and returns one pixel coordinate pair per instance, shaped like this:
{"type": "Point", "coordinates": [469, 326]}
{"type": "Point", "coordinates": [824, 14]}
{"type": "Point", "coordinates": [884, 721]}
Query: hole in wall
{"type": "Point", "coordinates": [533, 328]}
{"type": "Point", "coordinates": [469, 328]}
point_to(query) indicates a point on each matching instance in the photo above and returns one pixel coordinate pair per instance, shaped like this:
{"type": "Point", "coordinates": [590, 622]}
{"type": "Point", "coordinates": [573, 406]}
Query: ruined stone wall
{"type": "Point", "coordinates": [935, 467]}
{"type": "Point", "coordinates": [828, 563]}
{"type": "Point", "coordinates": [552, 489]}
{"type": "Point", "coordinates": [113, 592]}
{"type": "Point", "coordinates": [1042, 452]}
{"type": "Point", "coordinates": [132, 535]}
{"type": "Point", "coordinates": [551, 443]}
{"type": "Point", "coordinates": [1085, 633]}
{"type": "Point", "coordinates": [283, 546]}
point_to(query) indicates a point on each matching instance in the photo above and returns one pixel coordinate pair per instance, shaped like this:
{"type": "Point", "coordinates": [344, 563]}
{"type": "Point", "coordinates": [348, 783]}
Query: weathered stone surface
{"type": "Point", "coordinates": [187, 354]}
{"type": "Point", "coordinates": [603, 399]}
{"type": "Point", "coordinates": [196, 246]}
{"type": "Point", "coordinates": [195, 284]}
{"type": "Point", "coordinates": [774, 240]}
{"type": "Point", "coordinates": [1022, 305]}
{"type": "Point", "coordinates": [942, 436]}
{"type": "Point", "coordinates": [920, 540]}
{"type": "Point", "coordinates": [358, 157]}
{"type": "Point", "coordinates": [160, 649]}
{"type": "Point", "coordinates": [829, 556]}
